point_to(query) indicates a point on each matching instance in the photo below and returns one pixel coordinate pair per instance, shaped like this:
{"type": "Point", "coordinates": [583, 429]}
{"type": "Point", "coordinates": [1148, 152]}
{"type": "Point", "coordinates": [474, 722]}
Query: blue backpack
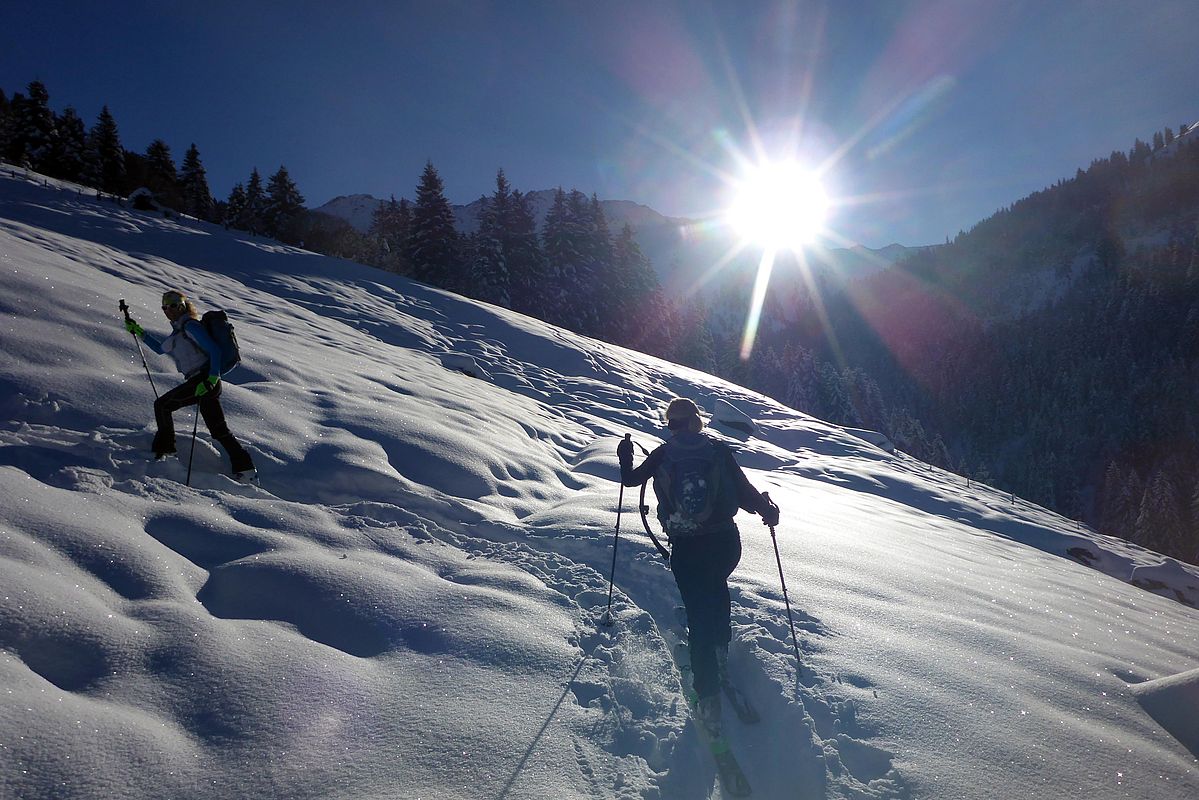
{"type": "Point", "coordinates": [688, 485]}
{"type": "Point", "coordinates": [217, 325]}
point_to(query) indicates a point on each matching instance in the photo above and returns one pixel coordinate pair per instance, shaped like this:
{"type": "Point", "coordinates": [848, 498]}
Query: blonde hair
{"type": "Point", "coordinates": [175, 296]}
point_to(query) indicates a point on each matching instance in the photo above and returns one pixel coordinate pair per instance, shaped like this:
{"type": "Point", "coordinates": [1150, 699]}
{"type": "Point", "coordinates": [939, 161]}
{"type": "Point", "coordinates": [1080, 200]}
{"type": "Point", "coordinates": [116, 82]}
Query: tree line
{"type": "Point", "coordinates": [574, 272]}
{"type": "Point", "coordinates": [60, 145]}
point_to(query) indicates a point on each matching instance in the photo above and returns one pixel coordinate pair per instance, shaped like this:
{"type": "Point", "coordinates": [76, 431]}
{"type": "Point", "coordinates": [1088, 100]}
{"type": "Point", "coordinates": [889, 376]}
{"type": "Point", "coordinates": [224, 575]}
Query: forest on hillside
{"type": "Point", "coordinates": [1051, 351]}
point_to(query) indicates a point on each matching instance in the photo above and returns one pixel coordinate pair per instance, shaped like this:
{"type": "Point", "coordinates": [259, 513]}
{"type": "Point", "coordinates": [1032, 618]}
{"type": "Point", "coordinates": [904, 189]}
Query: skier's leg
{"type": "Point", "coordinates": [181, 396]}
{"type": "Point", "coordinates": [214, 418]}
{"type": "Point", "coordinates": [701, 567]}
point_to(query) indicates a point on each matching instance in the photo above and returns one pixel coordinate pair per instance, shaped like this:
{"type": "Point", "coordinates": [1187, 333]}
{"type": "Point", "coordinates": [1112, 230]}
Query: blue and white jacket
{"type": "Point", "coordinates": [190, 346]}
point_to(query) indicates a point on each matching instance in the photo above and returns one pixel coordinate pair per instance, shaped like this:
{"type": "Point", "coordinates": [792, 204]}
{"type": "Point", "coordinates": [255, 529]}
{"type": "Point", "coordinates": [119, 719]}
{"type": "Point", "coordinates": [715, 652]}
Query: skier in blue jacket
{"type": "Point", "coordinates": [199, 359]}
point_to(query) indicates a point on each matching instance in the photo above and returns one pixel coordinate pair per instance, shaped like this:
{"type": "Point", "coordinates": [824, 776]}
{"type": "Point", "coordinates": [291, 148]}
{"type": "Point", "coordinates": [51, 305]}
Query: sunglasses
{"type": "Point", "coordinates": [173, 306]}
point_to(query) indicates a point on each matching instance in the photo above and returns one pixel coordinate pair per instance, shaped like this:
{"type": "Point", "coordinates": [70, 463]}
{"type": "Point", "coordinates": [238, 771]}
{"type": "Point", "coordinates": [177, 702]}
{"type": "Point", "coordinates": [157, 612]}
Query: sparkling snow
{"type": "Point", "coordinates": [410, 604]}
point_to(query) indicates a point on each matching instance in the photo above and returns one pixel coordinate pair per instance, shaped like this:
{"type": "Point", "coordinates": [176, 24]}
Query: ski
{"type": "Point", "coordinates": [732, 778]}
{"type": "Point", "coordinates": [742, 707]}
{"type": "Point", "coordinates": [741, 704]}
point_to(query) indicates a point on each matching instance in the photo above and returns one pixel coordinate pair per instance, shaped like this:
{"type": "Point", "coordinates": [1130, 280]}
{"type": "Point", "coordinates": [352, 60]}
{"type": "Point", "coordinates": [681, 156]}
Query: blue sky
{"type": "Point", "coordinates": [928, 115]}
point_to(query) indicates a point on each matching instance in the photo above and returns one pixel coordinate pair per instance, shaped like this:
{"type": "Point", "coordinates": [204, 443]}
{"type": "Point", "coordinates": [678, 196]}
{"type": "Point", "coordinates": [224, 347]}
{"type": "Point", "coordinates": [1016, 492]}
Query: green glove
{"type": "Point", "coordinates": [133, 327]}
{"type": "Point", "coordinates": [207, 385]}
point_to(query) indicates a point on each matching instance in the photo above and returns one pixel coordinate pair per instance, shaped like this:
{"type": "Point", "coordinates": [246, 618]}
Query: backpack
{"type": "Point", "coordinates": [688, 485]}
{"type": "Point", "coordinates": [217, 325]}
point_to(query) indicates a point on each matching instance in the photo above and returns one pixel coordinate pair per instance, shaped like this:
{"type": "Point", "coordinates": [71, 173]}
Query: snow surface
{"type": "Point", "coordinates": [410, 606]}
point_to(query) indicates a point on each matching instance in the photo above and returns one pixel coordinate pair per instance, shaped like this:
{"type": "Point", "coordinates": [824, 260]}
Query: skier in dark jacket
{"type": "Point", "coordinates": [199, 359]}
{"type": "Point", "coordinates": [705, 546]}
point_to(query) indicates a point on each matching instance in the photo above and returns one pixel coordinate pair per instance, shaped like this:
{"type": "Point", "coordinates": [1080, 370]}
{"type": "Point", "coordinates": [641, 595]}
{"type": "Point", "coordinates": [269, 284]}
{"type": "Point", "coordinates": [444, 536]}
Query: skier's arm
{"type": "Point", "coordinates": [631, 476]}
{"type": "Point", "coordinates": [749, 498]}
{"type": "Point", "coordinates": [152, 342]}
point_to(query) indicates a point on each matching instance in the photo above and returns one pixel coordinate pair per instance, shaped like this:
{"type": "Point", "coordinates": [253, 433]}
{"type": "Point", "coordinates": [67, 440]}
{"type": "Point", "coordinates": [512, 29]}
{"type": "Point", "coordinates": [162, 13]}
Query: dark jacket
{"type": "Point", "coordinates": [736, 492]}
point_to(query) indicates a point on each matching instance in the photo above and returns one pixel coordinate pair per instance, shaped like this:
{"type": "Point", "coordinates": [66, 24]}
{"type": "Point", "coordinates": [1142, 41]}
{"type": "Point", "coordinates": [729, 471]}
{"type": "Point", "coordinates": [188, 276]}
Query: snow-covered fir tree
{"type": "Point", "coordinates": [106, 157]}
{"type": "Point", "coordinates": [1160, 525]}
{"type": "Point", "coordinates": [235, 206]}
{"type": "Point", "coordinates": [389, 229]}
{"type": "Point", "coordinates": [37, 130]}
{"type": "Point", "coordinates": [71, 158]}
{"type": "Point", "coordinates": [490, 280]}
{"type": "Point", "coordinates": [193, 187]}
{"type": "Point", "coordinates": [284, 207]}
{"type": "Point", "coordinates": [527, 268]}
{"type": "Point", "coordinates": [635, 304]}
{"type": "Point", "coordinates": [253, 210]}
{"type": "Point", "coordinates": [433, 248]}
{"type": "Point", "coordinates": [161, 176]}
{"type": "Point", "coordinates": [570, 256]}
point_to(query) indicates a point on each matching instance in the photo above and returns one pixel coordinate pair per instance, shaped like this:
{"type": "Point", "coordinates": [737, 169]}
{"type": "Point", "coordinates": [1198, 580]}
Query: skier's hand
{"type": "Point", "coordinates": [770, 517]}
{"type": "Point", "coordinates": [207, 385]}
{"type": "Point", "coordinates": [133, 327]}
{"type": "Point", "coordinates": [624, 452]}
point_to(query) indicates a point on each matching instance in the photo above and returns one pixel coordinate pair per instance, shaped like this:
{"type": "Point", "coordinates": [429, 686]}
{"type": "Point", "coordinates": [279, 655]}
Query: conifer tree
{"type": "Point", "coordinates": [635, 300]}
{"type": "Point", "coordinates": [388, 232]}
{"type": "Point", "coordinates": [161, 176]}
{"type": "Point", "coordinates": [1159, 524]}
{"type": "Point", "coordinates": [571, 290]}
{"type": "Point", "coordinates": [490, 279]}
{"type": "Point", "coordinates": [12, 135]}
{"type": "Point", "coordinates": [284, 208]}
{"type": "Point", "coordinates": [253, 211]}
{"type": "Point", "coordinates": [106, 157]}
{"type": "Point", "coordinates": [432, 248]}
{"type": "Point", "coordinates": [71, 157]}
{"type": "Point", "coordinates": [193, 186]}
{"type": "Point", "coordinates": [526, 261]}
{"type": "Point", "coordinates": [235, 207]}
{"type": "Point", "coordinates": [38, 132]}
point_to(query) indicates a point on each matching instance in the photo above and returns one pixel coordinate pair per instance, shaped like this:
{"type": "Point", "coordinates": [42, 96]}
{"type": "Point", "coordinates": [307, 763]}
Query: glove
{"type": "Point", "coordinates": [133, 327]}
{"type": "Point", "coordinates": [624, 453]}
{"type": "Point", "coordinates": [207, 385]}
{"type": "Point", "coordinates": [770, 517]}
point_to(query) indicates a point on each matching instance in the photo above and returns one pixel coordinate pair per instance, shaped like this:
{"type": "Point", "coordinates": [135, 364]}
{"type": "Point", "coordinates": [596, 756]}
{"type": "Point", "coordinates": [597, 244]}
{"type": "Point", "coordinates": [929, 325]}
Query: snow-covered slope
{"type": "Point", "coordinates": [410, 605]}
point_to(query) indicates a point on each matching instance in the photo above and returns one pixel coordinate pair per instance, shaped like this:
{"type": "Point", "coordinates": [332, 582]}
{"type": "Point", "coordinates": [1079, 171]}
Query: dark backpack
{"type": "Point", "coordinates": [688, 484]}
{"type": "Point", "coordinates": [217, 325]}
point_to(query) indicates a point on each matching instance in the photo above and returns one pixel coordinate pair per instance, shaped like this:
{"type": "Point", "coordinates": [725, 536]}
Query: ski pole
{"type": "Point", "coordinates": [137, 341]}
{"type": "Point", "coordinates": [191, 457]}
{"type": "Point", "coordinates": [791, 619]}
{"type": "Point", "coordinates": [615, 541]}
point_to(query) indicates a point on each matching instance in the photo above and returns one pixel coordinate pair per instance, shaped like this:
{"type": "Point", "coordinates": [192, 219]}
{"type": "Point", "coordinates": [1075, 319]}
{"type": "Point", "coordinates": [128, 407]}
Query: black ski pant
{"type": "Point", "coordinates": [702, 566]}
{"type": "Point", "coordinates": [214, 417]}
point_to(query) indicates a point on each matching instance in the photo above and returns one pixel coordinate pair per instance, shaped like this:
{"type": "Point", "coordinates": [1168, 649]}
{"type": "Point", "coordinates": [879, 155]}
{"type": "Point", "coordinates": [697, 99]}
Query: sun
{"type": "Point", "coordinates": [778, 206]}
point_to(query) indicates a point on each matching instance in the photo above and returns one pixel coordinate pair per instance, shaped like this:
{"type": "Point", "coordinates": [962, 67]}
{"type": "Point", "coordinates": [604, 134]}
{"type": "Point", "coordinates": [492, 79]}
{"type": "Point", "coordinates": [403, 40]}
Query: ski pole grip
{"type": "Point", "coordinates": [125, 308]}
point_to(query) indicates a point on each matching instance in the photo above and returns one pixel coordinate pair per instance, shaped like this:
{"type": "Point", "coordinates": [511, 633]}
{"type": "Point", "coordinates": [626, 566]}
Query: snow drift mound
{"type": "Point", "coordinates": [1174, 702]}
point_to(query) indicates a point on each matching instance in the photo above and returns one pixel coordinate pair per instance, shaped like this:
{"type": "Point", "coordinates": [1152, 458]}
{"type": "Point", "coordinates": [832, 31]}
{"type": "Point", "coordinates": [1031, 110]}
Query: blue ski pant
{"type": "Point", "coordinates": [702, 566]}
